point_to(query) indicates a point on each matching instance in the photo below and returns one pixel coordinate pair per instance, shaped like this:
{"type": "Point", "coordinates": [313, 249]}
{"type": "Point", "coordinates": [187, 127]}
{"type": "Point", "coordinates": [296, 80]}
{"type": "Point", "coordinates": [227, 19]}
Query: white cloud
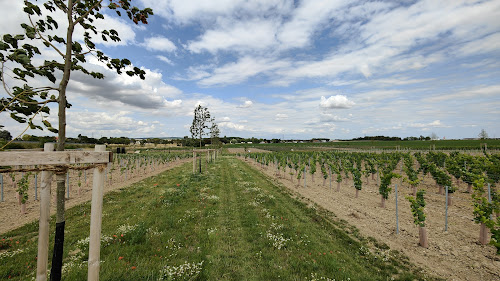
{"type": "Point", "coordinates": [165, 59]}
{"type": "Point", "coordinates": [232, 126]}
{"type": "Point", "coordinates": [240, 71]}
{"type": "Point", "coordinates": [305, 20]}
{"type": "Point", "coordinates": [246, 104]}
{"type": "Point", "coordinates": [159, 43]}
{"type": "Point", "coordinates": [255, 34]}
{"type": "Point", "coordinates": [433, 124]}
{"type": "Point", "coordinates": [281, 116]}
{"type": "Point", "coordinates": [337, 101]}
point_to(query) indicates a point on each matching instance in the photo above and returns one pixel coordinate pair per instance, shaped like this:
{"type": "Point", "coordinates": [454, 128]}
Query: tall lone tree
{"type": "Point", "coordinates": [483, 135]}
{"type": "Point", "coordinates": [22, 56]}
{"type": "Point", "coordinates": [201, 119]}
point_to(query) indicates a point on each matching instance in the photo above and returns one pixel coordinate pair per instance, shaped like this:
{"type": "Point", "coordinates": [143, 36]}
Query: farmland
{"type": "Point", "coordinates": [230, 223]}
{"type": "Point", "coordinates": [380, 145]}
{"type": "Point", "coordinates": [309, 214]}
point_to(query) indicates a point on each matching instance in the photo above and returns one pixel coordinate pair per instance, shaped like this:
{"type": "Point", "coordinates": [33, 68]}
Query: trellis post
{"type": "Point", "coordinates": [96, 220]}
{"type": "Point", "coordinates": [194, 162]}
{"type": "Point", "coordinates": [43, 229]}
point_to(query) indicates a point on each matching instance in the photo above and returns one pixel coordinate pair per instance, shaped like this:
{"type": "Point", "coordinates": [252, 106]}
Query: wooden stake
{"type": "Point", "coordinates": [96, 220]}
{"type": "Point", "coordinates": [43, 229]}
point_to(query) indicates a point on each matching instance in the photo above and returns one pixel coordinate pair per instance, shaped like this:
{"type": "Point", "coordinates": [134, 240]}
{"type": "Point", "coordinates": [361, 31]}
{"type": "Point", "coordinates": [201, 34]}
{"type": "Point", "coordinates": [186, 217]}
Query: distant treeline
{"type": "Point", "coordinates": [384, 138]}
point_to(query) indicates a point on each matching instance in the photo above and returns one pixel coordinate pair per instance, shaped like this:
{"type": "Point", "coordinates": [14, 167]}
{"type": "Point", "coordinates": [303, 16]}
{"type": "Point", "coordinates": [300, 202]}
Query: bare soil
{"type": "Point", "coordinates": [10, 214]}
{"type": "Point", "coordinates": [454, 254]}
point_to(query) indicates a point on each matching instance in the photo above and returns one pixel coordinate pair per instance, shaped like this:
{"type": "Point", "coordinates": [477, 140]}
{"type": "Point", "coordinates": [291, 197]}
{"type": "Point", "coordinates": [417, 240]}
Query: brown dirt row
{"type": "Point", "coordinates": [454, 255]}
{"type": "Point", "coordinates": [11, 217]}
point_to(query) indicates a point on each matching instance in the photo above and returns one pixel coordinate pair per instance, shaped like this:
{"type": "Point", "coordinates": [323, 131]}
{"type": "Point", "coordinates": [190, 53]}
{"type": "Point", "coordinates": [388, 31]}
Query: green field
{"type": "Point", "coordinates": [230, 223]}
{"type": "Point", "coordinates": [492, 144]}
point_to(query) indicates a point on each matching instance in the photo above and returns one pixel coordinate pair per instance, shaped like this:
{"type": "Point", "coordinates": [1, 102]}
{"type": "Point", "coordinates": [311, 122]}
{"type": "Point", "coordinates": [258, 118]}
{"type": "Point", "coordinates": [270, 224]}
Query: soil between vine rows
{"type": "Point", "coordinates": [454, 255]}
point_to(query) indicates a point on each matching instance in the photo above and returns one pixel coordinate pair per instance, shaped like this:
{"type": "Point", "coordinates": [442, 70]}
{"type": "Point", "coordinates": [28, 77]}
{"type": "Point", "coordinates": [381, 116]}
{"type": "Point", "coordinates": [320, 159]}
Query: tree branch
{"type": "Point", "coordinates": [31, 119]}
{"type": "Point", "coordinates": [78, 20]}
{"type": "Point", "coordinates": [43, 38]}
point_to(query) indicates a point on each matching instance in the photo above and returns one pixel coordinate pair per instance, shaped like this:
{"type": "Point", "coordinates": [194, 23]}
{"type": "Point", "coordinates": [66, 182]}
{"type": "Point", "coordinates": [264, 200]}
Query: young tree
{"type": "Point", "coordinates": [483, 135]}
{"type": "Point", "coordinates": [37, 84]}
{"type": "Point", "coordinates": [214, 133]}
{"type": "Point", "coordinates": [200, 119]}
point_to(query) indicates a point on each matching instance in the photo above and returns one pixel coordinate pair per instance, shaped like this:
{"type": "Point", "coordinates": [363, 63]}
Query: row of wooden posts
{"type": "Point", "coordinates": [53, 159]}
{"type": "Point", "coordinates": [211, 155]}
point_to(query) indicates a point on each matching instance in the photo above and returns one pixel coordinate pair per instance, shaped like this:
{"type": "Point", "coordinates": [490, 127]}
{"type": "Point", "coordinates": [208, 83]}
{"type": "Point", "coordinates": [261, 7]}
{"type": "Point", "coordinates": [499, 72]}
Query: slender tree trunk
{"type": "Point", "coordinates": [57, 257]}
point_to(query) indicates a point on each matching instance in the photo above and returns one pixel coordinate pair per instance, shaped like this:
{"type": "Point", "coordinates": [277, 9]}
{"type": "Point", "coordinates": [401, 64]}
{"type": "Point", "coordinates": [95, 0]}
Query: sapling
{"type": "Point", "coordinates": [483, 211]}
{"type": "Point", "coordinates": [22, 190]}
{"type": "Point", "coordinates": [324, 171]}
{"type": "Point", "coordinates": [339, 180]}
{"type": "Point", "coordinates": [417, 205]}
{"type": "Point", "coordinates": [356, 176]}
{"type": "Point", "coordinates": [385, 189]}
{"type": "Point", "coordinates": [79, 182]}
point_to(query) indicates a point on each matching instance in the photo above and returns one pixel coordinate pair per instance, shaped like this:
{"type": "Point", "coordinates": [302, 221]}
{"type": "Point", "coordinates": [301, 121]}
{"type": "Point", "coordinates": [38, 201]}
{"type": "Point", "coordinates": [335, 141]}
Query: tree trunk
{"type": "Point", "coordinates": [382, 201]}
{"type": "Point", "coordinates": [23, 208]}
{"type": "Point", "coordinates": [357, 193]}
{"type": "Point", "coordinates": [483, 234]}
{"type": "Point", "coordinates": [58, 252]}
{"type": "Point", "coordinates": [422, 235]}
{"type": "Point", "coordinates": [450, 197]}
{"type": "Point", "coordinates": [469, 188]}
{"type": "Point", "coordinates": [440, 190]}
{"type": "Point", "coordinates": [338, 186]}
{"type": "Point", "coordinates": [324, 181]}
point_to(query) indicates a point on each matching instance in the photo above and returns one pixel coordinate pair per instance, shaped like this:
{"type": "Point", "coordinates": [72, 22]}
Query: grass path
{"type": "Point", "coordinates": [231, 223]}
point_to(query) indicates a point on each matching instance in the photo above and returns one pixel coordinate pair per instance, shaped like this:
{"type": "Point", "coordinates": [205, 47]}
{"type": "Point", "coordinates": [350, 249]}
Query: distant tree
{"type": "Point", "coordinates": [4, 134]}
{"type": "Point", "coordinates": [483, 135]}
{"type": "Point", "coordinates": [214, 134]}
{"type": "Point", "coordinates": [201, 119]}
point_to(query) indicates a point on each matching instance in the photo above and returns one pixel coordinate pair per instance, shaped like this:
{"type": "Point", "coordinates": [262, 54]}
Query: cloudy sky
{"type": "Point", "coordinates": [292, 69]}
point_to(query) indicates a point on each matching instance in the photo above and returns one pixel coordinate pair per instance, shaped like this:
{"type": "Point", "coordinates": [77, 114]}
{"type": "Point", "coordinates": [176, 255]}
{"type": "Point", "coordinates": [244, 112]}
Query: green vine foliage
{"type": "Point", "coordinates": [356, 175]}
{"type": "Point", "coordinates": [483, 211]}
{"type": "Point", "coordinates": [482, 208]}
{"type": "Point", "coordinates": [385, 182]}
{"type": "Point", "coordinates": [22, 187]}
{"type": "Point", "coordinates": [417, 206]}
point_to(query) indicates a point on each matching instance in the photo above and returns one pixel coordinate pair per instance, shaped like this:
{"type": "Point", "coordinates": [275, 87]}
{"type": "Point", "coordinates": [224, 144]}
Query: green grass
{"type": "Point", "coordinates": [231, 223]}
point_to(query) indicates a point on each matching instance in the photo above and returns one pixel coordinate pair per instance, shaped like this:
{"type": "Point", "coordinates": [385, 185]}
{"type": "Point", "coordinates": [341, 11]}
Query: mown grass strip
{"type": "Point", "coordinates": [231, 223]}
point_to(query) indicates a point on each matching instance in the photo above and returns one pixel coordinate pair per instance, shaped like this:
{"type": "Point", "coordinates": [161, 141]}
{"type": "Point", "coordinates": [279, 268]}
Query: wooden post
{"type": "Point", "coordinates": [36, 186]}
{"type": "Point", "coordinates": [43, 229]}
{"type": "Point", "coordinates": [96, 220]}
{"type": "Point", "coordinates": [67, 185]}
{"type": "Point", "coordinates": [194, 162]}
{"type": "Point", "coordinates": [1, 183]}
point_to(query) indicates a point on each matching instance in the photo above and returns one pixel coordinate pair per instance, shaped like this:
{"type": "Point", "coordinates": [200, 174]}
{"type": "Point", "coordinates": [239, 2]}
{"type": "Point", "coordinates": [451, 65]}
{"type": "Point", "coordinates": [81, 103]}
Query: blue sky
{"type": "Point", "coordinates": [293, 69]}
